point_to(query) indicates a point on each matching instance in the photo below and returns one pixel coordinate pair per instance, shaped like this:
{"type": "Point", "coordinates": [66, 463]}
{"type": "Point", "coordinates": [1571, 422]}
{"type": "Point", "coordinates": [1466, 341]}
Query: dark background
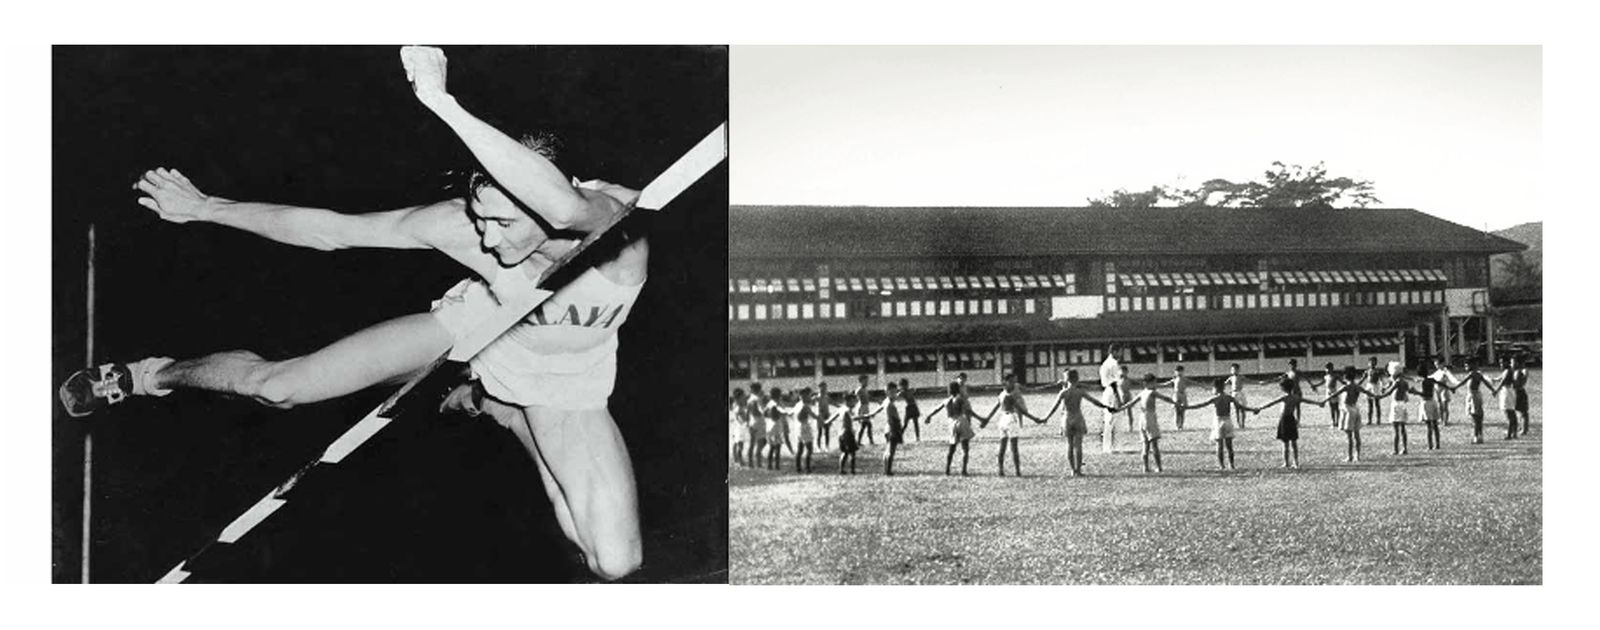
{"type": "Point", "coordinates": [432, 498]}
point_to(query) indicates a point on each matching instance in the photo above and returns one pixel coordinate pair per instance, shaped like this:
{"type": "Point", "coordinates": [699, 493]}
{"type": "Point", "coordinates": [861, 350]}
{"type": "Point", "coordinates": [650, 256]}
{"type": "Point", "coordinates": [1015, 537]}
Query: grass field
{"type": "Point", "coordinates": [1466, 514]}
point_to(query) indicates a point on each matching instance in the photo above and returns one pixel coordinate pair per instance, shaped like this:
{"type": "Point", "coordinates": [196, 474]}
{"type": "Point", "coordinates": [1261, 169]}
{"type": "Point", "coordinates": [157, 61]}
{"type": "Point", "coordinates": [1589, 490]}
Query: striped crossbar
{"type": "Point", "coordinates": [694, 164]}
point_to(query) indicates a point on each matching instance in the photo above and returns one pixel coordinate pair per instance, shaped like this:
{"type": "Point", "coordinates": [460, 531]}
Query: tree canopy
{"type": "Point", "coordinates": [1282, 186]}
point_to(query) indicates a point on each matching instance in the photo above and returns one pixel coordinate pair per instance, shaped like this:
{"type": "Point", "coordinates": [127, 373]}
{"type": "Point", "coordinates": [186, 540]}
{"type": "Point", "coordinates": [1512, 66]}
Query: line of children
{"type": "Point", "coordinates": [759, 420]}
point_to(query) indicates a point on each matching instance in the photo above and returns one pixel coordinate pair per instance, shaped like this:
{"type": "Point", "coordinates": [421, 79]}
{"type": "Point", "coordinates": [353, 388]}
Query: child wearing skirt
{"type": "Point", "coordinates": [1399, 406]}
{"type": "Point", "coordinates": [1349, 394]}
{"type": "Point", "coordinates": [1288, 421]}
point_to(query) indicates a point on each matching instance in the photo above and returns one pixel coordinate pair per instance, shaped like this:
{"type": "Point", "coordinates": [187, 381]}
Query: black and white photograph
{"type": "Point", "coordinates": [1136, 315]}
{"type": "Point", "coordinates": [387, 314]}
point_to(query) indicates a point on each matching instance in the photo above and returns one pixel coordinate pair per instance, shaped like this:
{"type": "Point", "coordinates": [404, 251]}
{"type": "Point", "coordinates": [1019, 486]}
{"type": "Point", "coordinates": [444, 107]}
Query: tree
{"type": "Point", "coordinates": [1519, 271]}
{"type": "Point", "coordinates": [1121, 198]}
{"type": "Point", "coordinates": [1282, 186]}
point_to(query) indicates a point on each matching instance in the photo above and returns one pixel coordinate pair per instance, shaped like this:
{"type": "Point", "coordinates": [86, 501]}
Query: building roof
{"type": "Point", "coordinates": [788, 232]}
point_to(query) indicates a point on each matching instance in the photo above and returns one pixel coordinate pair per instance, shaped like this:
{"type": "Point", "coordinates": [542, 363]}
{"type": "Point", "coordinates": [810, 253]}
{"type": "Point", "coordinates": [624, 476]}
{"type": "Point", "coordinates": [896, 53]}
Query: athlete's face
{"type": "Point", "coordinates": [504, 230]}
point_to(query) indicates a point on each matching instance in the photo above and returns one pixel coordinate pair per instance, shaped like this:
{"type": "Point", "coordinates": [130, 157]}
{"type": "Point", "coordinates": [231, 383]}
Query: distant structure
{"type": "Point", "coordinates": [923, 293]}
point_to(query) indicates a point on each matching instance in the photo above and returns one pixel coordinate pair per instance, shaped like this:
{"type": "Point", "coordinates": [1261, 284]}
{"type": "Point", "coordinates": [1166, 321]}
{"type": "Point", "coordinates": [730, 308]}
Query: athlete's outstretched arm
{"type": "Point", "coordinates": [443, 225]}
{"type": "Point", "coordinates": [521, 171]}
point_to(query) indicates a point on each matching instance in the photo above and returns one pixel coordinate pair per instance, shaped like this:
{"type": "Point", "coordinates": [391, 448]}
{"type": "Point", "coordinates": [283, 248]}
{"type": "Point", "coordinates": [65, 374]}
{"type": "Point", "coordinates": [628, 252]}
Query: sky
{"type": "Point", "coordinates": [1452, 131]}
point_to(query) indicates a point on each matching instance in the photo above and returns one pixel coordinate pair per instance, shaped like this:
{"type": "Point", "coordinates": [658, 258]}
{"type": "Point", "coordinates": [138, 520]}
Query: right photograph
{"type": "Point", "coordinates": [1135, 315]}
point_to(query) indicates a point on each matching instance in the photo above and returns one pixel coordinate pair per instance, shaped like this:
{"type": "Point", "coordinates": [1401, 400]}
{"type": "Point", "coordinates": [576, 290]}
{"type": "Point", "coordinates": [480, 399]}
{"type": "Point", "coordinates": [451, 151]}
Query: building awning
{"type": "Point", "coordinates": [902, 284]}
{"type": "Point", "coordinates": [872, 285]}
{"type": "Point", "coordinates": [916, 283]}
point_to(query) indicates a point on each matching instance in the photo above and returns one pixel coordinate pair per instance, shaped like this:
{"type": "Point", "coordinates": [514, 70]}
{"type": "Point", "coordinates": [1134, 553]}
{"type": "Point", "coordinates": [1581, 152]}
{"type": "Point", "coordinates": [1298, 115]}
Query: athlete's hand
{"type": "Point", "coordinates": [425, 69]}
{"type": "Point", "coordinates": [464, 399]}
{"type": "Point", "coordinates": [172, 196]}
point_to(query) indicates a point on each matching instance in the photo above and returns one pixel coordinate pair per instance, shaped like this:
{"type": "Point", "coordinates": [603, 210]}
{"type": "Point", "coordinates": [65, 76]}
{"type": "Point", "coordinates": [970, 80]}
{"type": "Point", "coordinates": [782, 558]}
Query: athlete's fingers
{"type": "Point", "coordinates": [150, 203]}
{"type": "Point", "coordinates": [147, 185]}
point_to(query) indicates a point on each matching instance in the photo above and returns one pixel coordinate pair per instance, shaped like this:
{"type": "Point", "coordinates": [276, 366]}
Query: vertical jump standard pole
{"type": "Point", "coordinates": [88, 436]}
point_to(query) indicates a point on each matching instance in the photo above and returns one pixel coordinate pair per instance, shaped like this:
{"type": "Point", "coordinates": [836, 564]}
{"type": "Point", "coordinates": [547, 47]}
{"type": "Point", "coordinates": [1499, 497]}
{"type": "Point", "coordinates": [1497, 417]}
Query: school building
{"type": "Point", "coordinates": [923, 293]}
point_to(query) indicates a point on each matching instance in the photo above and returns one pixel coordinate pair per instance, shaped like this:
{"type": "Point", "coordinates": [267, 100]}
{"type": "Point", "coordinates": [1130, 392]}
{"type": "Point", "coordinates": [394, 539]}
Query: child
{"type": "Point", "coordinates": [1474, 380]}
{"type": "Point", "coordinates": [777, 430]}
{"type": "Point", "coordinates": [1236, 392]}
{"type": "Point", "coordinates": [1111, 397]}
{"type": "Point", "coordinates": [1072, 395]}
{"type": "Point", "coordinates": [865, 399]}
{"type": "Point", "coordinates": [847, 435]}
{"type": "Point", "coordinates": [1180, 393]}
{"type": "Point", "coordinates": [755, 414]}
{"type": "Point", "coordinates": [1428, 407]}
{"type": "Point", "coordinates": [738, 432]}
{"type": "Point", "coordinates": [1012, 409]}
{"type": "Point", "coordinates": [824, 415]}
{"type": "Point", "coordinates": [1222, 427]}
{"type": "Point", "coordinates": [960, 413]}
{"type": "Point", "coordinates": [896, 429]}
{"type": "Point", "coordinates": [912, 413]}
{"type": "Point", "coordinates": [805, 444]}
{"type": "Point", "coordinates": [1150, 429]}
{"type": "Point", "coordinates": [1507, 384]}
{"type": "Point", "coordinates": [1520, 384]}
{"type": "Point", "coordinates": [1401, 390]}
{"type": "Point", "coordinates": [1448, 384]}
{"type": "Point", "coordinates": [1374, 381]}
{"type": "Point", "coordinates": [1289, 421]}
{"type": "Point", "coordinates": [1350, 413]}
{"type": "Point", "coordinates": [1330, 379]}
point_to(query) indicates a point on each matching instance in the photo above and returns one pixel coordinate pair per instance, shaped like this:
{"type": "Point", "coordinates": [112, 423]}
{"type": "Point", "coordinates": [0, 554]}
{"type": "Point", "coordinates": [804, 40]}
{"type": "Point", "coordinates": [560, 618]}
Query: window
{"type": "Point", "coordinates": [927, 307]}
{"type": "Point", "coordinates": [1001, 307]}
{"type": "Point", "coordinates": [988, 307]}
{"type": "Point", "coordinates": [1165, 303]}
{"type": "Point", "coordinates": [961, 307]}
{"type": "Point", "coordinates": [825, 310]}
{"type": "Point", "coordinates": [1124, 303]}
{"type": "Point", "coordinates": [838, 310]}
{"type": "Point", "coordinates": [744, 311]}
{"type": "Point", "coordinates": [886, 309]}
{"type": "Point", "coordinates": [761, 311]}
{"type": "Point", "coordinates": [900, 309]}
{"type": "Point", "coordinates": [1277, 300]}
{"type": "Point", "coordinates": [916, 309]}
{"type": "Point", "coordinates": [944, 307]}
{"type": "Point", "coordinates": [1138, 304]}
{"type": "Point", "coordinates": [1029, 307]}
{"type": "Point", "coordinates": [1111, 304]}
{"type": "Point", "coordinates": [792, 311]}
{"type": "Point", "coordinates": [1250, 300]}
{"type": "Point", "coordinates": [1227, 301]}
{"type": "Point", "coordinates": [808, 311]}
{"type": "Point", "coordinates": [972, 306]}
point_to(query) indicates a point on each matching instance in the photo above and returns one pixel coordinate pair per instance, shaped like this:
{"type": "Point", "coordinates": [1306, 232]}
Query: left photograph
{"type": "Point", "coordinates": [388, 314]}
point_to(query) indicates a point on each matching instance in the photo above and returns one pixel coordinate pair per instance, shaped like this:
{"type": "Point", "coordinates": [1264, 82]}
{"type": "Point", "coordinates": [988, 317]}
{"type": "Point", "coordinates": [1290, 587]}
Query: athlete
{"type": "Point", "coordinates": [547, 380]}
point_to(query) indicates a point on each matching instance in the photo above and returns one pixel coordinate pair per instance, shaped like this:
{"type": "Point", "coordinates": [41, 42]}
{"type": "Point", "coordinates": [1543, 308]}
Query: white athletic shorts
{"type": "Point", "coordinates": [521, 376]}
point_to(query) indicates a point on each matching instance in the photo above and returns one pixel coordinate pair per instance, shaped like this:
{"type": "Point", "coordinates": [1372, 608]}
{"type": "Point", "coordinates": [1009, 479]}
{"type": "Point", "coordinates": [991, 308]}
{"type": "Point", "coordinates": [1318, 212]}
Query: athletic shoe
{"type": "Point", "coordinates": [93, 389]}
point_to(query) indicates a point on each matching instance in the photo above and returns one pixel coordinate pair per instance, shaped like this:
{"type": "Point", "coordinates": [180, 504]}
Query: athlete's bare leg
{"type": "Point", "coordinates": [588, 476]}
{"type": "Point", "coordinates": [389, 351]}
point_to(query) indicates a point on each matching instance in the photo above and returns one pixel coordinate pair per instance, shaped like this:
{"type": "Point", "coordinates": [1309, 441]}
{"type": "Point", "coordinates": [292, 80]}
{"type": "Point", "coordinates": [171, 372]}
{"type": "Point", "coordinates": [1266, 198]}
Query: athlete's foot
{"type": "Point", "coordinates": [93, 389]}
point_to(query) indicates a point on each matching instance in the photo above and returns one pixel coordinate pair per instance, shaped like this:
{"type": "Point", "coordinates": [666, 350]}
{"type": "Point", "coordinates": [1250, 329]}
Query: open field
{"type": "Point", "coordinates": [1466, 514]}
